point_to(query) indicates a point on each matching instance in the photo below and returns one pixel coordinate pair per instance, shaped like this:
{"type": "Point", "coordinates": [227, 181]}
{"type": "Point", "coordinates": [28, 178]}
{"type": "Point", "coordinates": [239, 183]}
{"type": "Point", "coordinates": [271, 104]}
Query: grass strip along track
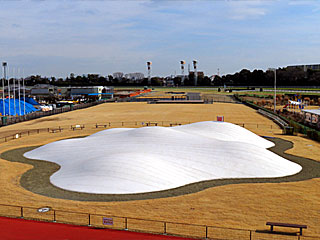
{"type": "Point", "coordinates": [37, 179]}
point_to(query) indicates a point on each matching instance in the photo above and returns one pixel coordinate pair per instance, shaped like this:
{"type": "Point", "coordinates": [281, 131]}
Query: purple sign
{"type": "Point", "coordinates": [107, 221]}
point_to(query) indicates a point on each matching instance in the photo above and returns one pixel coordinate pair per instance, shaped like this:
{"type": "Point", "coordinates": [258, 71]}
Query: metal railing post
{"type": "Point", "coordinates": [125, 223]}
{"type": "Point", "coordinates": [89, 220]}
{"type": "Point", "coordinates": [164, 228]}
{"type": "Point", "coordinates": [21, 212]}
{"type": "Point", "coordinates": [206, 232]}
{"type": "Point", "coordinates": [54, 216]}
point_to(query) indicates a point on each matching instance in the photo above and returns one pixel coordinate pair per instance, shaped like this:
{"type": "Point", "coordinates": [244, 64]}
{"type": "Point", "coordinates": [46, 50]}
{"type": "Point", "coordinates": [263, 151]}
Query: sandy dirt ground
{"type": "Point", "coordinates": [246, 206]}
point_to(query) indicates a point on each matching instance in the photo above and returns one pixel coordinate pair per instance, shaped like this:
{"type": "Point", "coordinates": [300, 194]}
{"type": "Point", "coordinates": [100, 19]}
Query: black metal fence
{"type": "Point", "coordinates": [144, 225]}
{"type": "Point", "coordinates": [106, 125]}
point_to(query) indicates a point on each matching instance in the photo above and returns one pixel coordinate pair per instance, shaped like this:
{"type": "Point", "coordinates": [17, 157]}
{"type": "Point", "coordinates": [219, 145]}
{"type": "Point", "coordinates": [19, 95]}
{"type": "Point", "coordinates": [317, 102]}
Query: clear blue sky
{"type": "Point", "coordinates": [55, 38]}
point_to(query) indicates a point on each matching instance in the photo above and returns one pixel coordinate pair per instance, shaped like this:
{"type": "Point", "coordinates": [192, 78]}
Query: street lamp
{"type": "Point", "coordinates": [275, 89]}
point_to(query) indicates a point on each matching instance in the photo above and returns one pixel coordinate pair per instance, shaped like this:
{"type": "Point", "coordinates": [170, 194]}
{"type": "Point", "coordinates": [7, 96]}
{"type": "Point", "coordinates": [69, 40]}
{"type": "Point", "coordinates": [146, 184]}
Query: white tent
{"type": "Point", "coordinates": [150, 159]}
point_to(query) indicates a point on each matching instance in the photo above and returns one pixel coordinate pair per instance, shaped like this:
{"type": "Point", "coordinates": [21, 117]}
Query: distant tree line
{"type": "Point", "coordinates": [289, 76]}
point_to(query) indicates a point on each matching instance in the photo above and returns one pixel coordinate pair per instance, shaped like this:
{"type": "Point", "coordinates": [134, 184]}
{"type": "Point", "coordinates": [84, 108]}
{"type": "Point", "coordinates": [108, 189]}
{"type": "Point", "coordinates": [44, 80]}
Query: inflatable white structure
{"type": "Point", "coordinates": [124, 160]}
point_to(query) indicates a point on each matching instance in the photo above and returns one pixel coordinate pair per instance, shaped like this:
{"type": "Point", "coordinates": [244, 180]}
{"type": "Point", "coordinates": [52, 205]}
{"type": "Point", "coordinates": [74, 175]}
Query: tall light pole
{"type": "Point", "coordinates": [9, 97]}
{"type": "Point", "coordinates": [19, 92]}
{"type": "Point", "coordinates": [182, 71]}
{"type": "Point", "coordinates": [14, 90]}
{"type": "Point", "coordinates": [275, 88]}
{"type": "Point", "coordinates": [4, 64]}
{"type": "Point", "coordinates": [149, 72]}
{"type": "Point", "coordinates": [24, 93]}
{"type": "Point", "coordinates": [195, 72]}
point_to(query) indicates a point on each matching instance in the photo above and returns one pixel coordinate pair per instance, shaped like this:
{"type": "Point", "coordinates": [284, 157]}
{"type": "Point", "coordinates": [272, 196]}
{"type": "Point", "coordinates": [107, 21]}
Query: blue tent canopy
{"type": "Point", "coordinates": [15, 111]}
{"type": "Point", "coordinates": [30, 100]}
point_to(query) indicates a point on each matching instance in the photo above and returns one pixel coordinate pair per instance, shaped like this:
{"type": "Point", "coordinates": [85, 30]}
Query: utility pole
{"type": "Point", "coordinates": [24, 93]}
{"type": "Point", "coordinates": [275, 88]}
{"type": "Point", "coordinates": [4, 64]}
{"type": "Point", "coordinates": [19, 91]}
{"type": "Point", "coordinates": [14, 89]}
{"type": "Point", "coordinates": [9, 97]}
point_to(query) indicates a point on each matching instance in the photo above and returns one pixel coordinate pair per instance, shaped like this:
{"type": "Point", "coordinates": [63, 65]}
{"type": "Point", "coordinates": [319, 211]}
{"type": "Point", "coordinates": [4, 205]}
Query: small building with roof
{"type": "Point", "coordinates": [312, 117]}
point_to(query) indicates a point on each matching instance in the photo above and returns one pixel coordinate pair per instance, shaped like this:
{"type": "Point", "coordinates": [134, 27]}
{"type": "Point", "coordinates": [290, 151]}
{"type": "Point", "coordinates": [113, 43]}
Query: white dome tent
{"type": "Point", "coordinates": [137, 160]}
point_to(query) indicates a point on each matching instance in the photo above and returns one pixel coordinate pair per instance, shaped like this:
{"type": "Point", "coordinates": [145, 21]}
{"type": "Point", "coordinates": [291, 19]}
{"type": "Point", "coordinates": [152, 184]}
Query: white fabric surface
{"type": "Point", "coordinates": [124, 160]}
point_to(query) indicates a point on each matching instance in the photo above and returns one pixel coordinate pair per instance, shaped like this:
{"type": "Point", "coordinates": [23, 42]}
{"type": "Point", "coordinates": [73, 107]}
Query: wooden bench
{"type": "Point", "coordinates": [54, 130]}
{"type": "Point", "coordinates": [152, 124]}
{"type": "Point", "coordinates": [77, 127]}
{"type": "Point", "coordinates": [102, 125]}
{"type": "Point", "coordinates": [272, 224]}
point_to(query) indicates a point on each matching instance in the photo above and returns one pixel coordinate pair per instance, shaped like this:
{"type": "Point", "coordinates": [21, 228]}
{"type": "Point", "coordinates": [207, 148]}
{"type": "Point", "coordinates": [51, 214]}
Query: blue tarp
{"type": "Point", "coordinates": [30, 100]}
{"type": "Point", "coordinates": [15, 111]}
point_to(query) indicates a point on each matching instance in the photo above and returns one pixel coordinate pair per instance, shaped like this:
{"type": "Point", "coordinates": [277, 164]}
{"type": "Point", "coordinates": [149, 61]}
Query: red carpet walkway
{"type": "Point", "coordinates": [16, 229]}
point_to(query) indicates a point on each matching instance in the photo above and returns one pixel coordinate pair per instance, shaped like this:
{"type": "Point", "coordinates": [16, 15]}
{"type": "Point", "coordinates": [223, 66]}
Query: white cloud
{"type": "Point", "coordinates": [123, 35]}
{"type": "Point", "coordinates": [240, 10]}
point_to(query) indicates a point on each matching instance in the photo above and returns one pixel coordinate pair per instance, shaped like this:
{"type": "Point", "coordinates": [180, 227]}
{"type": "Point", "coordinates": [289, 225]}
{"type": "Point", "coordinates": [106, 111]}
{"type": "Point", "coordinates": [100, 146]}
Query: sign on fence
{"type": "Point", "coordinates": [107, 221]}
{"type": "Point", "coordinates": [220, 118]}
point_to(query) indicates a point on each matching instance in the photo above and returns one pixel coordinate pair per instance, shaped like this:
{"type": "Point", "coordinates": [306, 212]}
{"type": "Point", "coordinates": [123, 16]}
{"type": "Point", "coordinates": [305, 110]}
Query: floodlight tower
{"type": "Point", "coordinates": [182, 71]}
{"type": "Point", "coordinates": [4, 64]}
{"type": "Point", "coordinates": [149, 72]}
{"type": "Point", "coordinates": [195, 72]}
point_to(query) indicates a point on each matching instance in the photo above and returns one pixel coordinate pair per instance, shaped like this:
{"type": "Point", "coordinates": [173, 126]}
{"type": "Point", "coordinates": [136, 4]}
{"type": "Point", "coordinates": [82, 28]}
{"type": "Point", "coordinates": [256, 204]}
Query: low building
{"type": "Point", "coordinates": [193, 96]}
{"type": "Point", "coordinates": [312, 117]}
{"type": "Point", "coordinates": [43, 92]}
{"type": "Point", "coordinates": [98, 92]}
